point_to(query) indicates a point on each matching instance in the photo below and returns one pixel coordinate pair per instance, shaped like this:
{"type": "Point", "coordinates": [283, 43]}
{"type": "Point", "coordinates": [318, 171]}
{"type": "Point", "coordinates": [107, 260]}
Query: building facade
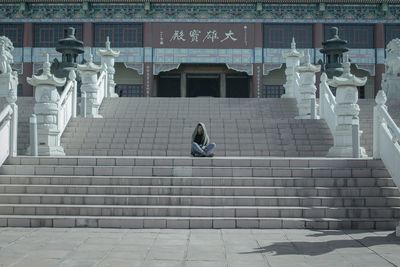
{"type": "Point", "coordinates": [221, 48]}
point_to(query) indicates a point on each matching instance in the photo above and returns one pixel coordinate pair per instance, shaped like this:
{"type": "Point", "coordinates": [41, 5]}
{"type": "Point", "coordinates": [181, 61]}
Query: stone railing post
{"type": "Point", "coordinates": [380, 101]}
{"type": "Point", "coordinates": [347, 111]}
{"type": "Point", "coordinates": [307, 89]}
{"type": "Point", "coordinates": [292, 59]}
{"type": "Point", "coordinates": [89, 87]}
{"type": "Point", "coordinates": [108, 58]}
{"type": "Point", "coordinates": [46, 110]}
{"type": "Point", "coordinates": [11, 99]}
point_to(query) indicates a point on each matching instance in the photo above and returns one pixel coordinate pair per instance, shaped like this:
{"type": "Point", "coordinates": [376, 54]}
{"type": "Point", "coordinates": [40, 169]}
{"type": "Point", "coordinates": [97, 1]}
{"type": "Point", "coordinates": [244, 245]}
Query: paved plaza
{"type": "Point", "coordinates": [153, 247]}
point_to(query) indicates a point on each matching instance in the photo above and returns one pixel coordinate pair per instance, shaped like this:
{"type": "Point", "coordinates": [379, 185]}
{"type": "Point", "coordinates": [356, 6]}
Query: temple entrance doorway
{"type": "Point", "coordinates": [169, 86]}
{"type": "Point", "coordinates": [203, 85]}
{"type": "Point", "coordinates": [237, 86]}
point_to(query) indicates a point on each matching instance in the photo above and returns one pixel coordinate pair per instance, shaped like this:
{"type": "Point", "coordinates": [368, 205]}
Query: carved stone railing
{"type": "Point", "coordinates": [102, 84]}
{"type": "Point", "coordinates": [386, 140]}
{"type": "Point", "coordinates": [67, 103]}
{"type": "Point", "coordinates": [327, 103]}
{"type": "Point", "coordinates": [8, 132]}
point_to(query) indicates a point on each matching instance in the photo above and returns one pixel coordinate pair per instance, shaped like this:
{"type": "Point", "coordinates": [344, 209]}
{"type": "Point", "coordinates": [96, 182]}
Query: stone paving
{"type": "Point", "coordinates": [153, 247]}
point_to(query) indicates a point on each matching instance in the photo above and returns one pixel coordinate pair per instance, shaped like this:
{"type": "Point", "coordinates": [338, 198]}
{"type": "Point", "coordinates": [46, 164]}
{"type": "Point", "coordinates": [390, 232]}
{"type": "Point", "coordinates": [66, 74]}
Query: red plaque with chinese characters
{"type": "Point", "coordinates": [203, 35]}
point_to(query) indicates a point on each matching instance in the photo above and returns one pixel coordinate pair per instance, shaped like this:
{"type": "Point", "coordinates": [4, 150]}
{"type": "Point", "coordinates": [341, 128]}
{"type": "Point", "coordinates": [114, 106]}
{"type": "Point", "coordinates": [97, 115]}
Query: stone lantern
{"type": "Point", "coordinates": [292, 58]}
{"type": "Point", "coordinates": [108, 58]}
{"type": "Point", "coordinates": [89, 86]}
{"type": "Point", "coordinates": [307, 89]}
{"type": "Point", "coordinates": [46, 110]}
{"type": "Point", "coordinates": [333, 50]}
{"type": "Point", "coordinates": [347, 111]}
{"type": "Point", "coordinates": [70, 48]}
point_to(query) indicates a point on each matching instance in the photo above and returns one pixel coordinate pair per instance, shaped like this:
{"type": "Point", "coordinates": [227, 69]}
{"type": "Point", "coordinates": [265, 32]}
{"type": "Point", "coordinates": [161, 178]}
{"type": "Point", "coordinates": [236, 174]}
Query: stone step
{"type": "Point", "coordinates": [185, 152]}
{"type": "Point", "coordinates": [200, 211]}
{"type": "Point", "coordinates": [196, 222]}
{"type": "Point", "coordinates": [316, 163]}
{"type": "Point", "coordinates": [197, 181]}
{"type": "Point", "coordinates": [201, 190]}
{"type": "Point", "coordinates": [187, 200]}
{"type": "Point", "coordinates": [193, 171]}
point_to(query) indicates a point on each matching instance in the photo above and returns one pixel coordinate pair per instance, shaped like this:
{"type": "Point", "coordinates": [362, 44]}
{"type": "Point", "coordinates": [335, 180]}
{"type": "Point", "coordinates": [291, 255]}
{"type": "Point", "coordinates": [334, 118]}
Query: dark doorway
{"type": "Point", "coordinates": [169, 86]}
{"type": "Point", "coordinates": [202, 85]}
{"type": "Point", "coordinates": [237, 86]}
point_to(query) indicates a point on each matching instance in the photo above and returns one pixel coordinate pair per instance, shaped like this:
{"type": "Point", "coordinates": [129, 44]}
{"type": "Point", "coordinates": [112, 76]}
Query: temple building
{"type": "Point", "coordinates": [188, 48]}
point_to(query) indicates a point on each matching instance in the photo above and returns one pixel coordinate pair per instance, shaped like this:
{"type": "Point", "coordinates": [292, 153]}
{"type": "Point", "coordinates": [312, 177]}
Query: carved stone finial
{"type": "Point", "coordinates": [46, 66]}
{"type": "Point", "coordinates": [12, 96]}
{"type": "Point", "coordinates": [108, 44]}
{"type": "Point", "coordinates": [381, 98]}
{"type": "Point", "coordinates": [72, 75]}
{"type": "Point", "coordinates": [307, 57]}
{"type": "Point", "coordinates": [91, 57]}
{"type": "Point", "coordinates": [293, 44]}
{"type": "Point", "coordinates": [346, 65]}
{"type": "Point", "coordinates": [324, 77]}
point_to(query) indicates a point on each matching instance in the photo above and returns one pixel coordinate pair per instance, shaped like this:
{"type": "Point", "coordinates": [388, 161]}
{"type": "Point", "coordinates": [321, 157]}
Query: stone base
{"type": "Point", "coordinates": [344, 152]}
{"type": "Point", "coordinates": [94, 116]}
{"type": "Point", "coordinates": [8, 81]}
{"type": "Point", "coordinates": [398, 230]}
{"type": "Point", "coordinates": [308, 117]}
{"type": "Point", "coordinates": [48, 151]}
{"type": "Point", "coordinates": [113, 95]}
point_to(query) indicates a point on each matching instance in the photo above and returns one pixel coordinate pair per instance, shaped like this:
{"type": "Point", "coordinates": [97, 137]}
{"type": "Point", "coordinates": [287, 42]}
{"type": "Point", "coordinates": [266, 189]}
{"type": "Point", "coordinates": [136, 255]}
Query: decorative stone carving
{"type": "Point", "coordinates": [160, 67]}
{"type": "Point", "coordinates": [307, 89]}
{"type": "Point", "coordinates": [108, 58]}
{"type": "Point", "coordinates": [347, 111]}
{"type": "Point", "coordinates": [89, 86]}
{"type": "Point", "coordinates": [391, 77]}
{"type": "Point", "coordinates": [46, 110]}
{"type": "Point", "coordinates": [139, 67]}
{"type": "Point", "coordinates": [292, 61]}
{"type": "Point", "coordinates": [8, 77]}
{"type": "Point", "coordinates": [267, 68]}
{"type": "Point", "coordinates": [248, 68]}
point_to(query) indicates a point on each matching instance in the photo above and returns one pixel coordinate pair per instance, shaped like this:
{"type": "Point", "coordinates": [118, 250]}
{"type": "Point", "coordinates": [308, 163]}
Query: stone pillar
{"type": "Point", "coordinates": [292, 61]}
{"type": "Point", "coordinates": [222, 85]}
{"type": "Point", "coordinates": [46, 110]}
{"type": "Point", "coordinates": [183, 84]}
{"type": "Point", "coordinates": [347, 111]}
{"type": "Point", "coordinates": [108, 58]}
{"type": "Point", "coordinates": [307, 89]}
{"type": "Point", "coordinates": [148, 79]}
{"type": "Point", "coordinates": [89, 86]}
{"type": "Point", "coordinates": [11, 99]}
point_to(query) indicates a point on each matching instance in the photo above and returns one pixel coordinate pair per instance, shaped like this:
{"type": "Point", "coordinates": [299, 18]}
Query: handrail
{"type": "Point", "coordinates": [5, 112]}
{"type": "Point", "coordinates": [327, 104]}
{"type": "Point", "coordinates": [6, 133]}
{"type": "Point", "coordinates": [67, 104]}
{"type": "Point", "coordinates": [392, 126]}
{"type": "Point", "coordinates": [386, 137]}
{"type": "Point", "coordinates": [67, 90]}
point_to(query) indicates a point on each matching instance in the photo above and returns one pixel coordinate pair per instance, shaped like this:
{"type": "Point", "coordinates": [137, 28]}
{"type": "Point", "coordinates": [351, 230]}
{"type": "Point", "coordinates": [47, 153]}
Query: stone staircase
{"type": "Point", "coordinates": [182, 192]}
{"type": "Point", "coordinates": [163, 127]}
{"type": "Point", "coordinates": [131, 169]}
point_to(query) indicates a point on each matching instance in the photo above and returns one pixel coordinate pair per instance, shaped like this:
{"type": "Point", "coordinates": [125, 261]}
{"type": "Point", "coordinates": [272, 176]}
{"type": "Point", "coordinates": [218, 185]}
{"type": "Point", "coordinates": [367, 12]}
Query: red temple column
{"type": "Point", "coordinates": [88, 34]}
{"type": "Point", "coordinates": [27, 90]}
{"type": "Point", "coordinates": [379, 43]}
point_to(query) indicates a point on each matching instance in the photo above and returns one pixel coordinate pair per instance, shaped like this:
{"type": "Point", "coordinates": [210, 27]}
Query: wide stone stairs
{"type": "Point", "coordinates": [163, 127]}
{"type": "Point", "coordinates": [131, 169]}
{"type": "Point", "coordinates": [182, 192]}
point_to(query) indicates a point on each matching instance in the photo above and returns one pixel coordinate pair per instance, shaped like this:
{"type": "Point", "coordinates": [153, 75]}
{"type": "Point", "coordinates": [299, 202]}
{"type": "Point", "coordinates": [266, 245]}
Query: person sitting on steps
{"type": "Point", "coordinates": [201, 146]}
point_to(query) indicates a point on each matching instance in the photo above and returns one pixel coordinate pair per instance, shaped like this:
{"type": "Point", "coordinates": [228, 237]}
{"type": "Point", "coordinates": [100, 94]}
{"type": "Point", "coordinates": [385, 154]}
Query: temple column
{"type": "Point", "coordinates": [222, 85]}
{"type": "Point", "coordinates": [183, 84]}
{"type": "Point", "coordinates": [27, 89]}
